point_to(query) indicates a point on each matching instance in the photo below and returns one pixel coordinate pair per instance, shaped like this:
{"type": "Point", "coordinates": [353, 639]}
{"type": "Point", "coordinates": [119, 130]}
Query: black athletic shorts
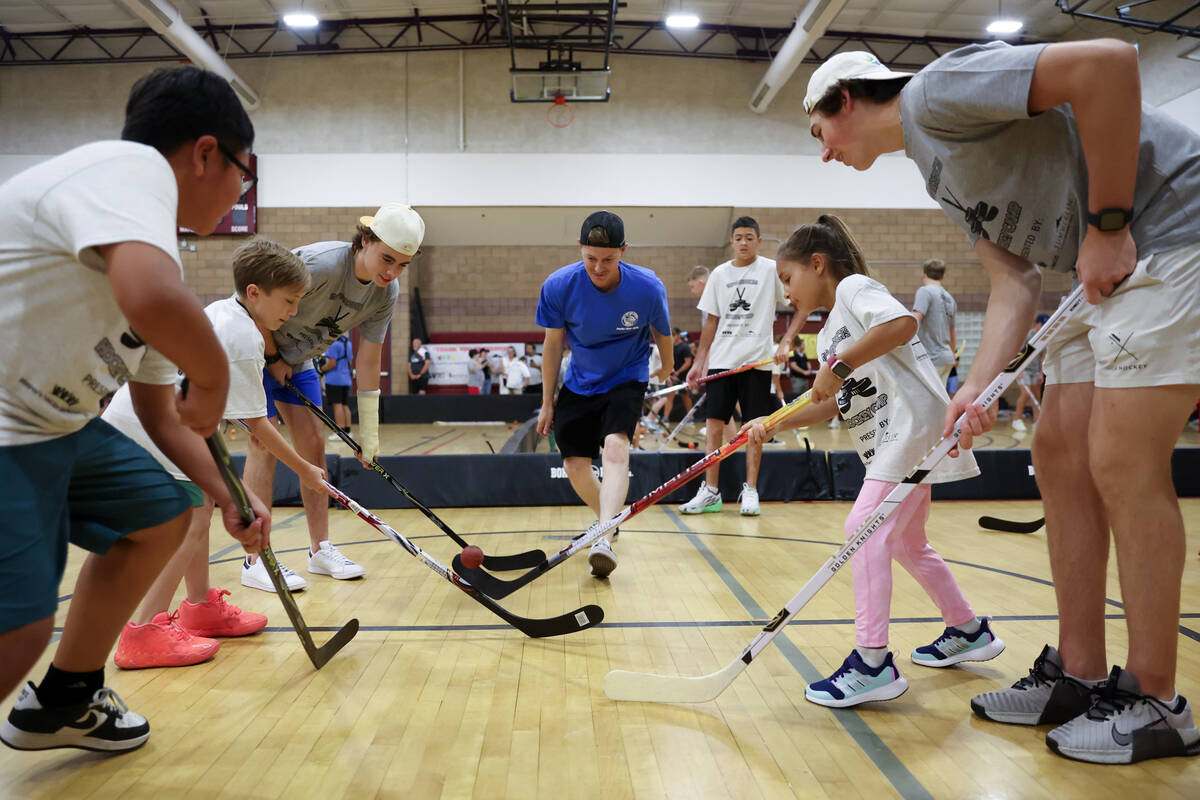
{"type": "Point", "coordinates": [751, 388]}
{"type": "Point", "coordinates": [582, 421]}
{"type": "Point", "coordinates": [337, 394]}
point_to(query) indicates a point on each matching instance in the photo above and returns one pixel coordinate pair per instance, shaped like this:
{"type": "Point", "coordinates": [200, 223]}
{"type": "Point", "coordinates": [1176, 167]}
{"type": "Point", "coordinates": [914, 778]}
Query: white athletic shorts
{"type": "Point", "coordinates": [1146, 334]}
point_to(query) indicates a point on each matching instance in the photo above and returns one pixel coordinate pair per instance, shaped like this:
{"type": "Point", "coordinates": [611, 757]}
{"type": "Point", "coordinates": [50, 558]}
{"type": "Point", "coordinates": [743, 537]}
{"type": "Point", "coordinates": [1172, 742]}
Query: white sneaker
{"type": "Point", "coordinates": [1018, 425]}
{"type": "Point", "coordinates": [256, 577]}
{"type": "Point", "coordinates": [330, 561]}
{"type": "Point", "coordinates": [835, 423]}
{"type": "Point", "coordinates": [602, 558]}
{"type": "Point", "coordinates": [749, 501]}
{"type": "Point", "coordinates": [706, 501]}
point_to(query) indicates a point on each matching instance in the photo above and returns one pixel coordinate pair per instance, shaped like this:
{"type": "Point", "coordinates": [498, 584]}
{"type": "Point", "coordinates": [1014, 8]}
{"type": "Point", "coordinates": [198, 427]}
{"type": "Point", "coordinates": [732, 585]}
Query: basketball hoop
{"type": "Point", "coordinates": [560, 115]}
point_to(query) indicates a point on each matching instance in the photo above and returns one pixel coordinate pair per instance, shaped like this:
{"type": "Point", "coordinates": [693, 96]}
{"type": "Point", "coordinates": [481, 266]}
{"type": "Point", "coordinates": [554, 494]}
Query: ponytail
{"type": "Point", "coordinates": [830, 237]}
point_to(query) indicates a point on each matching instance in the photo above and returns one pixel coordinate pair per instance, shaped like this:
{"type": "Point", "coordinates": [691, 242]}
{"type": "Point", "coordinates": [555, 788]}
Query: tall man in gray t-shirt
{"type": "Point", "coordinates": [934, 308]}
{"type": "Point", "coordinates": [1045, 156]}
{"type": "Point", "coordinates": [353, 286]}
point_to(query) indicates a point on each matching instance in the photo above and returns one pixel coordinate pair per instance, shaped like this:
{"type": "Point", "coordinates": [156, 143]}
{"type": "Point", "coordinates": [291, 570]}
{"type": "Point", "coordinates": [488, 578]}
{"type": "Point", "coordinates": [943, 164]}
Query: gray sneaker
{"type": "Point", "coordinates": [1045, 696]}
{"type": "Point", "coordinates": [1125, 726]}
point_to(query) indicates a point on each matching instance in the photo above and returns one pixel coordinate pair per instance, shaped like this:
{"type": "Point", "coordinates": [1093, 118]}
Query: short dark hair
{"type": "Point", "coordinates": [745, 222]}
{"type": "Point", "coordinates": [934, 269]}
{"type": "Point", "coordinates": [362, 232]}
{"type": "Point", "coordinates": [174, 105]}
{"type": "Point", "coordinates": [875, 91]}
{"type": "Point", "coordinates": [472, 353]}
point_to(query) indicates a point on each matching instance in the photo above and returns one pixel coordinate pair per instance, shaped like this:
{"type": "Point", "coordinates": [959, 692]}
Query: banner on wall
{"type": "Point", "coordinates": [449, 361]}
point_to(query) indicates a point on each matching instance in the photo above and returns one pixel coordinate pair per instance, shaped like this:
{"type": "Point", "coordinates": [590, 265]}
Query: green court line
{"type": "Point", "coordinates": [868, 741]}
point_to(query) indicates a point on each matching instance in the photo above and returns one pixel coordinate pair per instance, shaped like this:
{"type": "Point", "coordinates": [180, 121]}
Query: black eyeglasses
{"type": "Point", "coordinates": [249, 179]}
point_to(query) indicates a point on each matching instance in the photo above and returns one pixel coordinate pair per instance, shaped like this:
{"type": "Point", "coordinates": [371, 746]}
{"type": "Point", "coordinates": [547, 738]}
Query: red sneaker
{"type": "Point", "coordinates": [161, 643]}
{"type": "Point", "coordinates": [215, 617]}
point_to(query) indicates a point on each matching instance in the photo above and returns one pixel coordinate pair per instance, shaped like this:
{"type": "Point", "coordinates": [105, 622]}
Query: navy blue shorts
{"type": "Point", "coordinates": [90, 488]}
{"type": "Point", "coordinates": [308, 382]}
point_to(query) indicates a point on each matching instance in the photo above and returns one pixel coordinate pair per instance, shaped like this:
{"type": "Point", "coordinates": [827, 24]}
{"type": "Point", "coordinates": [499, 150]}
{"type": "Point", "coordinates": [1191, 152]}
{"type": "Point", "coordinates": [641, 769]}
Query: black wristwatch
{"type": "Point", "coordinates": [1110, 219]}
{"type": "Point", "coordinates": [271, 359]}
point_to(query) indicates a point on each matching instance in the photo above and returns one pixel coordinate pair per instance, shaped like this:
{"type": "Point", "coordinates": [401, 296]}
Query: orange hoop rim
{"type": "Point", "coordinates": [559, 100]}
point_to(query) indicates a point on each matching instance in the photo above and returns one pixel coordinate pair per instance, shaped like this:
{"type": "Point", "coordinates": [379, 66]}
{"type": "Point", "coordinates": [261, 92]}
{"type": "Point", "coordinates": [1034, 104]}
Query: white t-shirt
{"type": "Point", "coordinates": [894, 405]}
{"type": "Point", "coordinates": [743, 299]}
{"type": "Point", "coordinates": [515, 373]}
{"type": "Point", "coordinates": [247, 399]}
{"type": "Point", "coordinates": [67, 344]}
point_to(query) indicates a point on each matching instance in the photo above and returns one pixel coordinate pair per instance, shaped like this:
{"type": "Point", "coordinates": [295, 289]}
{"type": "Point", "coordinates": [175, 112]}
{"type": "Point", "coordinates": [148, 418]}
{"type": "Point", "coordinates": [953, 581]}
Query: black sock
{"type": "Point", "coordinates": [346, 429]}
{"type": "Point", "coordinates": [60, 688]}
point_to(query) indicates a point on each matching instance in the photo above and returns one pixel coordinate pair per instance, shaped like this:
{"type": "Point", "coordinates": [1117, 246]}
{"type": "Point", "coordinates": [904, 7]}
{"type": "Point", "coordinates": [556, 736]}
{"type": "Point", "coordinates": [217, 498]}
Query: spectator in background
{"type": "Point", "coordinates": [534, 363]}
{"type": "Point", "coordinates": [1030, 381]}
{"type": "Point", "coordinates": [336, 371]}
{"type": "Point", "coordinates": [696, 283]}
{"type": "Point", "coordinates": [486, 355]}
{"type": "Point", "coordinates": [418, 368]}
{"type": "Point", "coordinates": [934, 309]}
{"type": "Point", "coordinates": [562, 367]}
{"type": "Point", "coordinates": [475, 368]}
{"type": "Point", "coordinates": [799, 370]}
{"type": "Point", "coordinates": [515, 373]}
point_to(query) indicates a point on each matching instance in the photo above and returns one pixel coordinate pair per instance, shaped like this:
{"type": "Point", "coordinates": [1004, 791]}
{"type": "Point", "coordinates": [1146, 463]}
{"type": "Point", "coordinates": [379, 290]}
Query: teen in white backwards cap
{"type": "Point", "coordinates": [353, 286]}
{"type": "Point", "coordinates": [1045, 156]}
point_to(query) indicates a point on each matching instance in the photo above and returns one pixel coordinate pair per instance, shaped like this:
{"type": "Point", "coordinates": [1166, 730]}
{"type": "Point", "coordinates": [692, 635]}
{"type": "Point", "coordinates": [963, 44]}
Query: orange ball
{"type": "Point", "coordinates": [472, 557]}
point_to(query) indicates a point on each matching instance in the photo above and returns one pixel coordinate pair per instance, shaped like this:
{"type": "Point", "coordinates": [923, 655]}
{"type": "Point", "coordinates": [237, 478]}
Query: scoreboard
{"type": "Point", "coordinates": [242, 219]}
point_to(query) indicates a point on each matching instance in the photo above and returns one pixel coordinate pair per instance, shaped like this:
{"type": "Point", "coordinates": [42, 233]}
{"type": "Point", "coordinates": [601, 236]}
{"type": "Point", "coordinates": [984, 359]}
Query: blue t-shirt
{"type": "Point", "coordinates": [343, 351]}
{"type": "Point", "coordinates": [609, 332]}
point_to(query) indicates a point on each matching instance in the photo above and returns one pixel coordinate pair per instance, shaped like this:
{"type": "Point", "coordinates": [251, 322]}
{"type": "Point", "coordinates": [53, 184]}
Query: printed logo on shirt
{"type": "Point", "coordinates": [975, 215]}
{"type": "Point", "coordinates": [854, 388]}
{"type": "Point", "coordinates": [346, 301]}
{"type": "Point", "coordinates": [741, 302]}
{"type": "Point", "coordinates": [629, 319]}
{"type": "Point", "coordinates": [333, 323]}
{"type": "Point", "coordinates": [935, 178]}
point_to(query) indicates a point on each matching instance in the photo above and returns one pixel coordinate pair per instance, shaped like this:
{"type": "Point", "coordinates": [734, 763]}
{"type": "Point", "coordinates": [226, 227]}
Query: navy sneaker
{"type": "Point", "coordinates": [954, 646]}
{"type": "Point", "coordinates": [855, 683]}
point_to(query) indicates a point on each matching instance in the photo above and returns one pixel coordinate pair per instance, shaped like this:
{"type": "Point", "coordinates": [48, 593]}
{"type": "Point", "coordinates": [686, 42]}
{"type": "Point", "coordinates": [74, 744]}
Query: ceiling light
{"type": "Point", "coordinates": [300, 20]}
{"type": "Point", "coordinates": [1003, 26]}
{"type": "Point", "coordinates": [682, 21]}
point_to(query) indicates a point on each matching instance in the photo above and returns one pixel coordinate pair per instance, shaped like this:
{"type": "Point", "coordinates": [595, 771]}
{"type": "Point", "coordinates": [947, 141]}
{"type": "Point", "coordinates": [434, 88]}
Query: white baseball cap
{"type": "Point", "coordinates": [853, 65]}
{"type": "Point", "coordinates": [397, 226]}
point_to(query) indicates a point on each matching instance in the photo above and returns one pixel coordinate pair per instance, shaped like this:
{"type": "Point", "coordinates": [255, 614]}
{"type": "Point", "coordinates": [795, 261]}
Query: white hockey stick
{"type": "Point", "coordinates": [626, 685]}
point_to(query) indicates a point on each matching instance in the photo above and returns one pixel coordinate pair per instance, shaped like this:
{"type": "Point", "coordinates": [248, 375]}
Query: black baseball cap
{"type": "Point", "coordinates": [610, 223]}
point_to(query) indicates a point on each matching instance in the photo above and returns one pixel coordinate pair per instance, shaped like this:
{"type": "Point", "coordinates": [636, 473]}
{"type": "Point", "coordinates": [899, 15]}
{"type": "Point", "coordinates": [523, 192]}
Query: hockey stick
{"type": "Point", "coordinates": [571, 622]}
{"type": "Point", "coordinates": [681, 386]}
{"type": "Point", "coordinates": [1029, 393]}
{"type": "Point", "coordinates": [686, 419]}
{"type": "Point", "coordinates": [1007, 526]}
{"type": "Point", "coordinates": [319, 656]}
{"type": "Point", "coordinates": [499, 563]}
{"type": "Point", "coordinates": [626, 685]}
{"type": "Point", "coordinates": [499, 588]}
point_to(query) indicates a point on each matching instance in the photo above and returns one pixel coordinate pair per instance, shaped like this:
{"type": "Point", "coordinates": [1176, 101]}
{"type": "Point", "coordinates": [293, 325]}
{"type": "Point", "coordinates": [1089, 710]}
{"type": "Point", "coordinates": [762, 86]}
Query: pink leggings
{"type": "Point", "coordinates": [902, 537]}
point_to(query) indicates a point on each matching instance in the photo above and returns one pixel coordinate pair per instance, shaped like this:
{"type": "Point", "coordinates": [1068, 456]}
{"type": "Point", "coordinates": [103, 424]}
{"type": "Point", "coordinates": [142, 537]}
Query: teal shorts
{"type": "Point", "coordinates": [89, 488]}
{"type": "Point", "coordinates": [195, 493]}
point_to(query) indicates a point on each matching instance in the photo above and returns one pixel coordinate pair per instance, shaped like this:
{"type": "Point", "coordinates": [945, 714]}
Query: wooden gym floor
{"type": "Point", "coordinates": [437, 698]}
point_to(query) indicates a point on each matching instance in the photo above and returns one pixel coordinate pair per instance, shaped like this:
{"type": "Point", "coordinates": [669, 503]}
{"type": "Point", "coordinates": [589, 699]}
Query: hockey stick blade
{"type": "Point", "coordinates": [1007, 526]}
{"type": "Point", "coordinates": [499, 588]}
{"type": "Point", "coordinates": [498, 563]}
{"type": "Point", "coordinates": [571, 622]}
{"type": "Point", "coordinates": [319, 656]}
{"type": "Point", "coordinates": [645, 687]}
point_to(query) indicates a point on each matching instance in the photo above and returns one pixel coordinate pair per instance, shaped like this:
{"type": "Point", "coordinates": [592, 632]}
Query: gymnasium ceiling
{"type": "Point", "coordinates": [744, 29]}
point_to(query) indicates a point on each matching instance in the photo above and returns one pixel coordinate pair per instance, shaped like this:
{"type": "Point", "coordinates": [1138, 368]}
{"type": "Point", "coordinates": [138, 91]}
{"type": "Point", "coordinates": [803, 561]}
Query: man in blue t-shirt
{"type": "Point", "coordinates": [336, 371]}
{"type": "Point", "coordinates": [608, 311]}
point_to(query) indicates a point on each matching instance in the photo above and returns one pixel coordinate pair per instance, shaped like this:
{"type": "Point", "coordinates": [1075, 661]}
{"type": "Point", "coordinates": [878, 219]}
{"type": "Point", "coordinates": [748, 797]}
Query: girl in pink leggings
{"type": "Point", "coordinates": [878, 377]}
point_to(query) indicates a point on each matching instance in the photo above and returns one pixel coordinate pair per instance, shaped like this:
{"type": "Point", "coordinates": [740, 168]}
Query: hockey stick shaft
{"type": "Point", "coordinates": [319, 656]}
{"type": "Point", "coordinates": [501, 563]}
{"type": "Point", "coordinates": [717, 375]}
{"type": "Point", "coordinates": [498, 588]}
{"type": "Point", "coordinates": [577, 620]}
{"type": "Point", "coordinates": [625, 685]}
{"type": "Point", "coordinates": [1032, 398]}
{"type": "Point", "coordinates": [686, 419]}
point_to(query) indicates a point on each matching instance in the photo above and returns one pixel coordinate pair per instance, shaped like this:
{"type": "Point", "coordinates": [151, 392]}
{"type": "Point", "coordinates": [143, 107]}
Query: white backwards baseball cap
{"type": "Point", "coordinates": [853, 65]}
{"type": "Point", "coordinates": [397, 226]}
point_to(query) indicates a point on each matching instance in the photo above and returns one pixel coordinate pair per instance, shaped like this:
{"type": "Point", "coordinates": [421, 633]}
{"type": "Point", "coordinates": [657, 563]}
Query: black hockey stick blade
{"type": "Point", "coordinates": [571, 622]}
{"type": "Point", "coordinates": [498, 563]}
{"type": "Point", "coordinates": [319, 656]}
{"type": "Point", "coordinates": [1007, 526]}
{"type": "Point", "coordinates": [492, 586]}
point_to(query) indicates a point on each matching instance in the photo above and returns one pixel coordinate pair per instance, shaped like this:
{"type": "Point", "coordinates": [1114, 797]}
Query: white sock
{"type": "Point", "coordinates": [970, 627]}
{"type": "Point", "coordinates": [872, 656]}
{"type": "Point", "coordinates": [1091, 684]}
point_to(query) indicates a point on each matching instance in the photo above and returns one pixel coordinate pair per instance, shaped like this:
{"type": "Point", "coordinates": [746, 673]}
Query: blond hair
{"type": "Point", "coordinates": [268, 265]}
{"type": "Point", "coordinates": [698, 273]}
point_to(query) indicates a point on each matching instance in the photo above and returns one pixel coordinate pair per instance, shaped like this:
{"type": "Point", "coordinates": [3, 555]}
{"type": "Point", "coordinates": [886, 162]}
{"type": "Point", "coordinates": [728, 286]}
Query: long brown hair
{"type": "Point", "coordinates": [830, 237]}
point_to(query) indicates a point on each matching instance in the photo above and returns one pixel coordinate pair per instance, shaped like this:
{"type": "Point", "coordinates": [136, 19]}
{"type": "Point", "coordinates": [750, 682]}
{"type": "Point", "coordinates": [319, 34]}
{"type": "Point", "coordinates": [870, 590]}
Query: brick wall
{"type": "Point", "coordinates": [478, 288]}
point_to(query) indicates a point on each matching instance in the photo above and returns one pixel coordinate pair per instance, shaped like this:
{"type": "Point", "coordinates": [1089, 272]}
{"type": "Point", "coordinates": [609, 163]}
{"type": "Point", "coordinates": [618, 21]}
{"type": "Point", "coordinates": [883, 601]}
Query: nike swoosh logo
{"type": "Point", "coordinates": [1125, 739]}
{"type": "Point", "coordinates": [92, 720]}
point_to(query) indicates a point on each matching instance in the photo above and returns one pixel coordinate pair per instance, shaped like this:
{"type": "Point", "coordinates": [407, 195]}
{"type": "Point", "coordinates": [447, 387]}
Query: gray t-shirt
{"type": "Point", "coordinates": [1021, 181]}
{"type": "Point", "coordinates": [335, 303]}
{"type": "Point", "coordinates": [938, 308]}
